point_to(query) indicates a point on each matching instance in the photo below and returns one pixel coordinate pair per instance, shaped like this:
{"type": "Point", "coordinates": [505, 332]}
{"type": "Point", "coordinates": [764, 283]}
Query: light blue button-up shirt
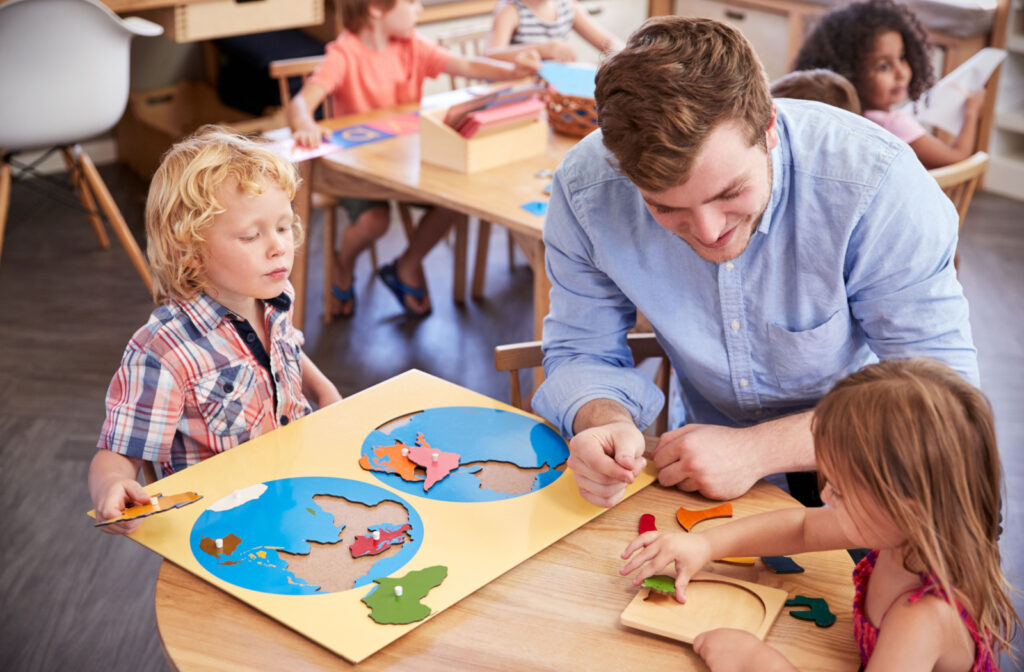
{"type": "Point", "coordinates": [852, 262]}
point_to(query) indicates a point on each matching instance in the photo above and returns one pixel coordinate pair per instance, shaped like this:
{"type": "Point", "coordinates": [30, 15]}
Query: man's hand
{"type": "Point", "coordinates": [719, 462]}
{"type": "Point", "coordinates": [731, 650]}
{"type": "Point", "coordinates": [605, 459]}
{"type": "Point", "coordinates": [113, 502]}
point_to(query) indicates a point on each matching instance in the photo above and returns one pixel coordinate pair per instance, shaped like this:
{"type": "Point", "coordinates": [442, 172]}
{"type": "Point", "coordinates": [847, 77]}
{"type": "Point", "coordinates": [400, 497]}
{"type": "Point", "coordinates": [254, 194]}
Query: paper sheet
{"type": "Point", "coordinates": [942, 106]}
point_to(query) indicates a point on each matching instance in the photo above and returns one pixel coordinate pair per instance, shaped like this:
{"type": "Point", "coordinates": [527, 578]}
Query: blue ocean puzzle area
{"type": "Point", "coordinates": [477, 435]}
{"type": "Point", "coordinates": [283, 515]}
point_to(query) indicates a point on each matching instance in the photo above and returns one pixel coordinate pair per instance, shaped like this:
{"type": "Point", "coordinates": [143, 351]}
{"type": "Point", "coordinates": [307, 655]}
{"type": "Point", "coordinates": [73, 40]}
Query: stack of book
{"type": "Point", "coordinates": [496, 111]}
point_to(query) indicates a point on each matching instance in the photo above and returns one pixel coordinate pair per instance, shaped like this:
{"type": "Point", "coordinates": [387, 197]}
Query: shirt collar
{"type": "Point", "coordinates": [207, 314]}
{"type": "Point", "coordinates": [778, 157]}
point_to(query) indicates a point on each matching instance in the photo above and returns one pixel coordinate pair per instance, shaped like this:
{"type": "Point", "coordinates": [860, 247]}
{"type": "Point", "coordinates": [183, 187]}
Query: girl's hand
{"type": "Point", "coordinates": [310, 137]}
{"type": "Point", "coordinates": [559, 50]}
{"type": "Point", "coordinates": [731, 650]}
{"type": "Point", "coordinates": [655, 550]}
{"type": "Point", "coordinates": [972, 108]}
{"type": "Point", "coordinates": [527, 63]}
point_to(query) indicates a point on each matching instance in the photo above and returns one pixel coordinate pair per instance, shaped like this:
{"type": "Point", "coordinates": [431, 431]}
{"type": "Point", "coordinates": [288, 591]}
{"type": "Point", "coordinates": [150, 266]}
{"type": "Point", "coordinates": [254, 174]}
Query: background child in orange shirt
{"type": "Point", "coordinates": [379, 60]}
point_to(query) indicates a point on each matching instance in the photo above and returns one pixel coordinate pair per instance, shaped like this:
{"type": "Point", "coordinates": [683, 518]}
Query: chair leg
{"type": "Point", "coordinates": [511, 251]}
{"type": "Point", "coordinates": [483, 239]}
{"type": "Point", "coordinates": [5, 198]}
{"type": "Point", "coordinates": [113, 214]}
{"type": "Point", "coordinates": [406, 216]}
{"type": "Point", "coordinates": [85, 196]}
{"type": "Point", "coordinates": [330, 226]}
{"type": "Point", "coordinates": [459, 282]}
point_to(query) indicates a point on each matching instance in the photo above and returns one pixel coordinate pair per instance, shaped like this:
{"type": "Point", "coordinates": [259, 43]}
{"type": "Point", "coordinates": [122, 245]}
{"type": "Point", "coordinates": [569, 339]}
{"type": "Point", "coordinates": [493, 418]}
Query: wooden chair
{"type": "Point", "coordinates": [467, 42]}
{"type": "Point", "coordinates": [516, 356]}
{"type": "Point", "coordinates": [284, 71]}
{"type": "Point", "coordinates": [958, 181]}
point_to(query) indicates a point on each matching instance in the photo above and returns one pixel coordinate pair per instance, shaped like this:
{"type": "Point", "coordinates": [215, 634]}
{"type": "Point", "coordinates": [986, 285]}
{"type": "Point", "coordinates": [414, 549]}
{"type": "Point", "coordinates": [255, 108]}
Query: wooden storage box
{"type": "Point", "coordinates": [442, 146]}
{"type": "Point", "coordinates": [222, 18]}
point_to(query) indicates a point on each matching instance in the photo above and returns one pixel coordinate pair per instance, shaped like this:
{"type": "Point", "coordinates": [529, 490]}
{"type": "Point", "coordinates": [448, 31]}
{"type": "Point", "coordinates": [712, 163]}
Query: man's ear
{"type": "Point", "coordinates": [771, 133]}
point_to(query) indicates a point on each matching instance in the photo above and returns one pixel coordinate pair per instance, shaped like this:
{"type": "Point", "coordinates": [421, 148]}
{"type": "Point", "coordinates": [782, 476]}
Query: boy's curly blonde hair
{"type": "Point", "coordinates": [183, 201]}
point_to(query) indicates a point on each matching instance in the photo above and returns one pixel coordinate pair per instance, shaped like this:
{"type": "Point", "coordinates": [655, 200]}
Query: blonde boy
{"type": "Point", "coordinates": [379, 60]}
{"type": "Point", "coordinates": [219, 361]}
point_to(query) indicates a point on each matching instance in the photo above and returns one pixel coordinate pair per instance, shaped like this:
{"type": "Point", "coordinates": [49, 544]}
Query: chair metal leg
{"type": "Point", "coordinates": [113, 214]}
{"type": "Point", "coordinates": [459, 282]}
{"type": "Point", "coordinates": [511, 251]}
{"type": "Point", "coordinates": [330, 225]}
{"type": "Point", "coordinates": [483, 239]}
{"type": "Point", "coordinates": [5, 199]}
{"type": "Point", "coordinates": [85, 196]}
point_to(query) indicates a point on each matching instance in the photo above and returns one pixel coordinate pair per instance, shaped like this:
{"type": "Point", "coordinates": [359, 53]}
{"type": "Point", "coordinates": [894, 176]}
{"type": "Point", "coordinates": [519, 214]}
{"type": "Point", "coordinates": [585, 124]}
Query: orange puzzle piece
{"type": "Point", "coordinates": [163, 503]}
{"type": "Point", "coordinates": [391, 458]}
{"type": "Point", "coordinates": [688, 518]}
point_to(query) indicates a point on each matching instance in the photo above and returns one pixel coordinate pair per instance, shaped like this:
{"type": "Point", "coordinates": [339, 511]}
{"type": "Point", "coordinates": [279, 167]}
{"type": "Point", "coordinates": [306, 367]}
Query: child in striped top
{"type": "Point", "coordinates": [218, 362]}
{"type": "Point", "coordinates": [544, 25]}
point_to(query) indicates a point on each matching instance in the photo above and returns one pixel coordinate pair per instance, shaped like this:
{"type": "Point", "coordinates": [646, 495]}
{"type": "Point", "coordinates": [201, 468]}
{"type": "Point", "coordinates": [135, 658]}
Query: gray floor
{"type": "Point", "coordinates": [77, 599]}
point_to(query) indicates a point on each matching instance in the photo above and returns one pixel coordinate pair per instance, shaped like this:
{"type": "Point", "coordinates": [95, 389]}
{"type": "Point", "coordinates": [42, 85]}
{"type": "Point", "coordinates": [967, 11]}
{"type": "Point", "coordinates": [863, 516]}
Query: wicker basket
{"type": "Point", "coordinates": [571, 115]}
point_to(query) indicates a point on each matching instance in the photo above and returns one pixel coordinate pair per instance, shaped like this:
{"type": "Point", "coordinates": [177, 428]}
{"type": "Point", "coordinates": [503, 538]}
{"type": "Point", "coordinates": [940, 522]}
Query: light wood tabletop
{"type": "Point", "coordinates": [391, 169]}
{"type": "Point", "coordinates": [559, 610]}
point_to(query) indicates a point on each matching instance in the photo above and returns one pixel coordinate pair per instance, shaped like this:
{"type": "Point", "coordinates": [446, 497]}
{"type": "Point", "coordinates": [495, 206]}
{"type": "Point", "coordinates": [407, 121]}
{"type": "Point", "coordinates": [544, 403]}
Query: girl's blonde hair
{"type": "Point", "coordinates": [918, 441]}
{"type": "Point", "coordinates": [183, 201]}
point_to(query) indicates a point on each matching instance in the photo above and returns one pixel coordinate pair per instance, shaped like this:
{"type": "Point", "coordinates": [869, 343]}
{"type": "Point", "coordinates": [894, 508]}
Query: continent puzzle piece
{"type": "Point", "coordinates": [781, 564]}
{"type": "Point", "coordinates": [393, 459]}
{"type": "Point", "coordinates": [438, 463]}
{"type": "Point", "coordinates": [397, 601]}
{"type": "Point", "coordinates": [818, 612]}
{"type": "Point", "coordinates": [738, 560]}
{"type": "Point", "coordinates": [688, 518]}
{"type": "Point", "coordinates": [157, 504]}
{"type": "Point", "coordinates": [378, 541]}
{"type": "Point", "coordinates": [647, 523]}
{"type": "Point", "coordinates": [661, 583]}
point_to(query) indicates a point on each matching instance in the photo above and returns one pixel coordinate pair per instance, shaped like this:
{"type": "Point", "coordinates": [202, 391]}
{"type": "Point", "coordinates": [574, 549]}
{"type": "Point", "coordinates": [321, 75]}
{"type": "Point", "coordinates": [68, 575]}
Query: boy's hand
{"type": "Point", "coordinates": [310, 137]}
{"type": "Point", "coordinates": [113, 502]}
{"type": "Point", "coordinates": [689, 552]}
{"type": "Point", "coordinates": [527, 63]}
{"type": "Point", "coordinates": [731, 650]}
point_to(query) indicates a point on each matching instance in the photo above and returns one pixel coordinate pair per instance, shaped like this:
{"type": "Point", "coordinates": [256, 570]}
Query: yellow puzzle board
{"type": "Point", "coordinates": [476, 542]}
{"type": "Point", "coordinates": [712, 601]}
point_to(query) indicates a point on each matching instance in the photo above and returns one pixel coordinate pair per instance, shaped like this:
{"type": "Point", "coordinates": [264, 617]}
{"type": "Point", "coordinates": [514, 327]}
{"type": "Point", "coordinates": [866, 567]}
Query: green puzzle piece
{"type": "Point", "coordinates": [818, 612]}
{"type": "Point", "coordinates": [661, 583]}
{"type": "Point", "coordinates": [387, 607]}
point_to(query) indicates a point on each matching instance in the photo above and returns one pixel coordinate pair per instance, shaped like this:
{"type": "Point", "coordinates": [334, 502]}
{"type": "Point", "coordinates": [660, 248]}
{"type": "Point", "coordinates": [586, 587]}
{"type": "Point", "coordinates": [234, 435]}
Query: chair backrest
{"type": "Point", "coordinates": [960, 179]}
{"type": "Point", "coordinates": [63, 70]}
{"type": "Point", "coordinates": [286, 70]}
{"type": "Point", "coordinates": [527, 355]}
{"type": "Point", "coordinates": [466, 42]}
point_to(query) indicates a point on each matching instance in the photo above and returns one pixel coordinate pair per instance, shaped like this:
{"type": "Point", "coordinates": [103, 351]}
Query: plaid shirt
{"type": "Point", "coordinates": [189, 387]}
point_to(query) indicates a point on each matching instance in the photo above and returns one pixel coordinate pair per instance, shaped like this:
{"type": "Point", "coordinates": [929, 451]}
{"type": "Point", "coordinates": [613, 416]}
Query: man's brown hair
{"type": "Point", "coordinates": [818, 84]}
{"type": "Point", "coordinates": [355, 13]}
{"type": "Point", "coordinates": [677, 79]}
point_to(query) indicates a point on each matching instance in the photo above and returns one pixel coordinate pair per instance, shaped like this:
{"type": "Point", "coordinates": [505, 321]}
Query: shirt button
{"type": "Point", "coordinates": [744, 382]}
{"type": "Point", "coordinates": [735, 325]}
{"type": "Point", "coordinates": [284, 420]}
{"type": "Point", "coordinates": [250, 337]}
{"type": "Point", "coordinates": [277, 376]}
{"type": "Point", "coordinates": [228, 387]}
{"type": "Point", "coordinates": [729, 266]}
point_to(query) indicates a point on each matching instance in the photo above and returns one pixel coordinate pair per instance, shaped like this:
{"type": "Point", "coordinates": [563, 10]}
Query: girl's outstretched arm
{"type": "Point", "coordinates": [934, 153]}
{"type": "Point", "coordinates": [593, 32]}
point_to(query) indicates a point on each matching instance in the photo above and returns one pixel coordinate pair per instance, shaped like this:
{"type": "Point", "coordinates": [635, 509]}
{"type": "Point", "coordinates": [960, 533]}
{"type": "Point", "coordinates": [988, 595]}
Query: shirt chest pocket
{"type": "Point", "coordinates": [808, 360]}
{"type": "Point", "coordinates": [229, 401]}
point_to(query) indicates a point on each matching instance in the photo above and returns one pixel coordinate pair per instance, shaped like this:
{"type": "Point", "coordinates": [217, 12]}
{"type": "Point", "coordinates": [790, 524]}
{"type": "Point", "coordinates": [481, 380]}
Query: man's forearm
{"type": "Point", "coordinates": [787, 443]}
{"type": "Point", "coordinates": [597, 412]}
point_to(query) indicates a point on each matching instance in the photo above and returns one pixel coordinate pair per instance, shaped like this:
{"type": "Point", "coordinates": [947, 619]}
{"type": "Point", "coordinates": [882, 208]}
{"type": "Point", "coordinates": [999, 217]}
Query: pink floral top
{"type": "Point", "coordinates": [867, 634]}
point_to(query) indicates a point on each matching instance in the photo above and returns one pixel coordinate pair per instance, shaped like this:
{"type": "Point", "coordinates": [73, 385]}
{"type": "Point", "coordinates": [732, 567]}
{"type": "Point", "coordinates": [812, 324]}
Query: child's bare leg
{"type": "Point", "coordinates": [409, 267]}
{"type": "Point", "coordinates": [368, 227]}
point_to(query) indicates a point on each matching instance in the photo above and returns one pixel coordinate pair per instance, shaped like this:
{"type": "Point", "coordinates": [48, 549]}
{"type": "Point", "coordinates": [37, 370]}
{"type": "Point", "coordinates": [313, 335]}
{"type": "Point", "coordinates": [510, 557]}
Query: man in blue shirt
{"type": "Point", "coordinates": [774, 246]}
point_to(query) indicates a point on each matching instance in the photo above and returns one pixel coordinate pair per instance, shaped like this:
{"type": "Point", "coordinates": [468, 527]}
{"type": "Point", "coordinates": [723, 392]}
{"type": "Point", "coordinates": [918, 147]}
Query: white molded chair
{"type": "Point", "coordinates": [64, 78]}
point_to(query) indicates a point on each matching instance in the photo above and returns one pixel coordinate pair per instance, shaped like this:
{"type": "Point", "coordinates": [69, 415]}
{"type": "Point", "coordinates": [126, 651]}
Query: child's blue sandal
{"type": "Point", "coordinates": [389, 275]}
{"type": "Point", "coordinates": [344, 296]}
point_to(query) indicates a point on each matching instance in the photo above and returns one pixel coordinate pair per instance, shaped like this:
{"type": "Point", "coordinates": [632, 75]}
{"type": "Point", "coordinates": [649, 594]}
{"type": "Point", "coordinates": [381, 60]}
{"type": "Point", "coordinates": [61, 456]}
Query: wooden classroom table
{"type": "Point", "coordinates": [558, 610]}
{"type": "Point", "coordinates": [391, 169]}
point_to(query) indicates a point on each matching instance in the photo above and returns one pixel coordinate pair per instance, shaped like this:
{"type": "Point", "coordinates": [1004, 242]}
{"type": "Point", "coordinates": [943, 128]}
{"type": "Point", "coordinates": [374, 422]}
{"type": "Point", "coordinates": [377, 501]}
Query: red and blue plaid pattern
{"type": "Point", "coordinates": [188, 387]}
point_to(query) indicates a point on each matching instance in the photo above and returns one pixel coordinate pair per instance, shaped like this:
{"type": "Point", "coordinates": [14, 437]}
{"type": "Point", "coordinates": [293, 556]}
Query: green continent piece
{"type": "Point", "coordinates": [661, 583]}
{"type": "Point", "coordinates": [386, 607]}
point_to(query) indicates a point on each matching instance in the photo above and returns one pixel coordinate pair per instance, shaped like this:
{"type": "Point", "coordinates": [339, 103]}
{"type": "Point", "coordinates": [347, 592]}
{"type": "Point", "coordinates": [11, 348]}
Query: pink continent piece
{"type": "Point", "coordinates": [365, 544]}
{"type": "Point", "coordinates": [423, 455]}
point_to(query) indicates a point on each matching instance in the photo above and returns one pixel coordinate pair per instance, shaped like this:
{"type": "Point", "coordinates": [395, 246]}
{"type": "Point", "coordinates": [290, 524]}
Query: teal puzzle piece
{"type": "Point", "coordinates": [818, 612]}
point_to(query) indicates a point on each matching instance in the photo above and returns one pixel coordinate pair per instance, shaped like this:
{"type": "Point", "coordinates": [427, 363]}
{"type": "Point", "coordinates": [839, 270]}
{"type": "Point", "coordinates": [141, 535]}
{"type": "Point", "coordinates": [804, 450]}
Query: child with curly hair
{"type": "Point", "coordinates": [882, 48]}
